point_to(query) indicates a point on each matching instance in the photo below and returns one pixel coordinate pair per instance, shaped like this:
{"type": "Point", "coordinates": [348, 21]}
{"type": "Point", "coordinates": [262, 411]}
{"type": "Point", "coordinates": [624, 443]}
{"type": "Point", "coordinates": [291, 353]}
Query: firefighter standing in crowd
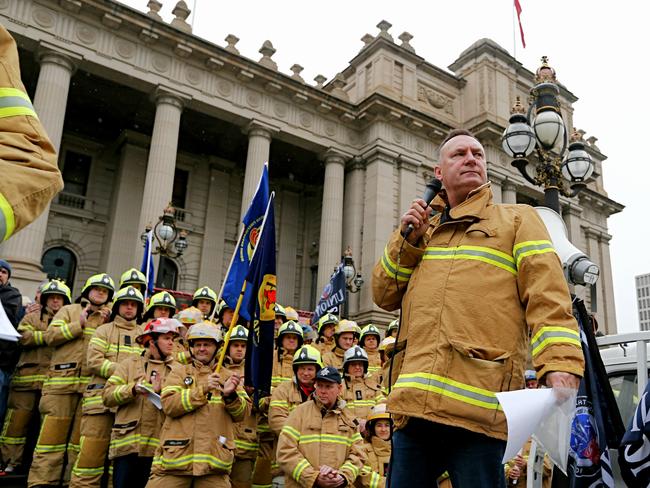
{"type": "Point", "coordinates": [392, 329]}
{"type": "Point", "coordinates": [224, 316]}
{"type": "Point", "coordinates": [246, 430]}
{"type": "Point", "coordinates": [136, 279]}
{"type": "Point", "coordinates": [197, 440]}
{"type": "Point", "coordinates": [136, 431]}
{"type": "Point", "coordinates": [113, 342]}
{"type": "Point", "coordinates": [379, 428]}
{"type": "Point", "coordinates": [28, 378]}
{"type": "Point", "coordinates": [386, 349]}
{"type": "Point", "coordinates": [319, 445]}
{"type": "Point", "coordinates": [280, 318]}
{"type": "Point", "coordinates": [187, 318]}
{"type": "Point", "coordinates": [346, 334]}
{"type": "Point", "coordinates": [69, 334]}
{"type": "Point", "coordinates": [369, 340]}
{"type": "Point", "coordinates": [288, 341]}
{"type": "Point", "coordinates": [205, 299]}
{"type": "Point", "coordinates": [291, 314]}
{"type": "Point", "coordinates": [162, 305]}
{"type": "Point", "coordinates": [360, 392]}
{"type": "Point", "coordinates": [27, 157]}
{"type": "Point", "coordinates": [326, 328]}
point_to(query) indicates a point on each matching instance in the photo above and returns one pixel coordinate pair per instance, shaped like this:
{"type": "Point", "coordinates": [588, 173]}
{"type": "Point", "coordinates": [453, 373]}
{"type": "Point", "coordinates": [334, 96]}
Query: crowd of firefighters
{"type": "Point", "coordinates": [128, 394]}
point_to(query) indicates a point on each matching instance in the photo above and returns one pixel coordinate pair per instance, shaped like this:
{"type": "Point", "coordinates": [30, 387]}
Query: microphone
{"type": "Point", "coordinates": [432, 189]}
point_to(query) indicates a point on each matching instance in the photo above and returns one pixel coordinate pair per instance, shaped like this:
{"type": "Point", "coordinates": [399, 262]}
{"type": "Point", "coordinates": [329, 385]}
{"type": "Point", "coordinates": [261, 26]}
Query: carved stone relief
{"type": "Point", "coordinates": [160, 62]}
{"type": "Point", "coordinates": [306, 119]}
{"type": "Point", "coordinates": [253, 99]}
{"type": "Point", "coordinates": [224, 87]}
{"type": "Point", "coordinates": [280, 109]}
{"type": "Point", "coordinates": [435, 99]}
{"type": "Point", "coordinates": [44, 17]}
{"type": "Point", "coordinates": [124, 48]}
{"type": "Point", "coordinates": [193, 76]}
{"type": "Point", "coordinates": [86, 34]}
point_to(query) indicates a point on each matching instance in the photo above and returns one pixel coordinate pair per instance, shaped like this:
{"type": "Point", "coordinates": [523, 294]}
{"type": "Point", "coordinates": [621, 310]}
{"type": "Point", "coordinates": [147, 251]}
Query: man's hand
{"type": "Point", "coordinates": [32, 307]}
{"type": "Point", "coordinates": [84, 316]}
{"type": "Point", "coordinates": [514, 473]}
{"type": "Point", "coordinates": [231, 384]}
{"type": "Point", "coordinates": [417, 215]}
{"type": "Point", "coordinates": [329, 477]}
{"type": "Point", "coordinates": [560, 379]}
{"type": "Point", "coordinates": [105, 312]}
{"type": "Point", "coordinates": [520, 462]}
{"type": "Point", "coordinates": [213, 382]}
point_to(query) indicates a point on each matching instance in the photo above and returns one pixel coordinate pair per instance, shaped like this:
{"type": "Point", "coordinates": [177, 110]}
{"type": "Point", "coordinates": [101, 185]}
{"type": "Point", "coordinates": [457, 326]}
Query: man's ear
{"type": "Point", "coordinates": [437, 172]}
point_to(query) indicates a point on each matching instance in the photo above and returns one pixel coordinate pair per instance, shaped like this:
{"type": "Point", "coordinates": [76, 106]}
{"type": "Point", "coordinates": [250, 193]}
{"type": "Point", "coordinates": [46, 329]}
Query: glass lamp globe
{"type": "Point", "coordinates": [577, 167]}
{"type": "Point", "coordinates": [518, 140]}
{"type": "Point", "coordinates": [165, 232]}
{"type": "Point", "coordinates": [549, 129]}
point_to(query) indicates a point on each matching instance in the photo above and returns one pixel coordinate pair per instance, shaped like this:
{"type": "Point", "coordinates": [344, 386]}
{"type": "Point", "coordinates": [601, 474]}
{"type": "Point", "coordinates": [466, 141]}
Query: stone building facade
{"type": "Point", "coordinates": [145, 113]}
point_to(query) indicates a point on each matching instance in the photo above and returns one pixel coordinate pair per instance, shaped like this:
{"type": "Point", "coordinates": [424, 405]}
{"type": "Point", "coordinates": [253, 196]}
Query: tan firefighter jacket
{"type": "Point", "coordinates": [245, 431]}
{"type": "Point", "coordinates": [112, 343]}
{"type": "Point", "coordinates": [197, 437]}
{"type": "Point", "coordinates": [373, 474]}
{"type": "Point", "coordinates": [28, 161]}
{"type": "Point", "coordinates": [324, 345]}
{"type": "Point", "coordinates": [69, 372]}
{"type": "Point", "coordinates": [36, 355]}
{"type": "Point", "coordinates": [374, 364]}
{"type": "Point", "coordinates": [360, 395]}
{"type": "Point", "coordinates": [313, 437]}
{"type": "Point", "coordinates": [284, 400]}
{"type": "Point", "coordinates": [282, 367]}
{"type": "Point", "coordinates": [473, 291]}
{"type": "Point", "coordinates": [334, 357]}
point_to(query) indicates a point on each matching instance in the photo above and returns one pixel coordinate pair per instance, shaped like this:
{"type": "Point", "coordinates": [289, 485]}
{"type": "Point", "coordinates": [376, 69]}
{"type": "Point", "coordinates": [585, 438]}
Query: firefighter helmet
{"type": "Point", "coordinates": [158, 327]}
{"type": "Point", "coordinates": [280, 312]}
{"type": "Point", "coordinates": [160, 299]}
{"type": "Point", "coordinates": [347, 326]}
{"type": "Point", "coordinates": [128, 293]}
{"type": "Point", "coordinates": [204, 330]}
{"type": "Point", "coordinates": [378, 412]}
{"type": "Point", "coordinates": [133, 277]}
{"type": "Point", "coordinates": [289, 327]}
{"type": "Point", "coordinates": [101, 280]}
{"type": "Point", "coordinates": [327, 319]}
{"type": "Point", "coordinates": [307, 355]}
{"type": "Point", "coordinates": [223, 306]}
{"type": "Point", "coordinates": [205, 293]}
{"type": "Point", "coordinates": [238, 333]}
{"type": "Point", "coordinates": [393, 325]}
{"type": "Point", "coordinates": [355, 353]}
{"type": "Point", "coordinates": [189, 316]}
{"type": "Point", "coordinates": [55, 287]}
{"type": "Point", "coordinates": [369, 330]}
{"type": "Point", "coordinates": [291, 314]}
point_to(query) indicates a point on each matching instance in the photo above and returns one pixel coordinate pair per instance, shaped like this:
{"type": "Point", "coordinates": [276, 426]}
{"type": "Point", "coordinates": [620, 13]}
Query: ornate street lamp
{"type": "Point", "coordinates": [353, 279]}
{"type": "Point", "coordinates": [542, 130]}
{"type": "Point", "coordinates": [166, 233]}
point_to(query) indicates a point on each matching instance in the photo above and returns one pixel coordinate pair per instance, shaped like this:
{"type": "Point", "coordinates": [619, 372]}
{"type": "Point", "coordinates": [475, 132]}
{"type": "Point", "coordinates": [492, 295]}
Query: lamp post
{"type": "Point", "coordinates": [353, 278]}
{"type": "Point", "coordinates": [165, 233]}
{"type": "Point", "coordinates": [541, 130]}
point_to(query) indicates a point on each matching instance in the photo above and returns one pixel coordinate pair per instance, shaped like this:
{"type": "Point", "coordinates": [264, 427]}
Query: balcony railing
{"type": "Point", "coordinates": [182, 215]}
{"type": "Point", "coordinates": [72, 200]}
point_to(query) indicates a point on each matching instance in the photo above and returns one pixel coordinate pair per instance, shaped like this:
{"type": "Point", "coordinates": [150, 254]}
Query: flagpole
{"type": "Point", "coordinates": [514, 36]}
{"type": "Point", "coordinates": [148, 258]}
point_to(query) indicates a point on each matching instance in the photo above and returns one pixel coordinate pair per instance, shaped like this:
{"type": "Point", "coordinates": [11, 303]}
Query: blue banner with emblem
{"type": "Point", "coordinates": [147, 264]}
{"type": "Point", "coordinates": [248, 240]}
{"type": "Point", "coordinates": [634, 453]}
{"type": "Point", "coordinates": [259, 303]}
{"type": "Point", "coordinates": [333, 295]}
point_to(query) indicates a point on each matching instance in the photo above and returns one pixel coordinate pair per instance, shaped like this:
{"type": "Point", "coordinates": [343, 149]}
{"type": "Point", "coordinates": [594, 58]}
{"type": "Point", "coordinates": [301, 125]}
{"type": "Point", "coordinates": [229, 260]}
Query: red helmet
{"type": "Point", "coordinates": [158, 327]}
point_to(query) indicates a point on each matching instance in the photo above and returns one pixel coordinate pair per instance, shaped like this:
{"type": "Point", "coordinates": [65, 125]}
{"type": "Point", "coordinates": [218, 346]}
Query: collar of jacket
{"type": "Point", "coordinates": [380, 446]}
{"type": "Point", "coordinates": [337, 408]}
{"type": "Point", "coordinates": [338, 351]}
{"type": "Point", "coordinates": [472, 207]}
{"type": "Point", "coordinates": [122, 323]}
{"type": "Point", "coordinates": [146, 354]}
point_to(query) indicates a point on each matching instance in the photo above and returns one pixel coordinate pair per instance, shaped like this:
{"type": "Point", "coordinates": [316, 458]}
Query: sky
{"type": "Point", "coordinates": [598, 49]}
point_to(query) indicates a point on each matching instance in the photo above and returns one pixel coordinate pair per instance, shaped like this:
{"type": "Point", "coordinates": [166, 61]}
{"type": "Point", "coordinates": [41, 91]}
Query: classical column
{"type": "Point", "coordinates": [259, 145]}
{"type": "Point", "coordinates": [24, 250]}
{"type": "Point", "coordinates": [408, 169]}
{"type": "Point", "coordinates": [508, 192]}
{"type": "Point", "coordinates": [571, 215]}
{"type": "Point", "coordinates": [607, 284]}
{"type": "Point", "coordinates": [288, 246]}
{"type": "Point", "coordinates": [161, 163]}
{"type": "Point", "coordinates": [331, 220]}
{"type": "Point", "coordinates": [495, 184]}
{"type": "Point", "coordinates": [353, 218]}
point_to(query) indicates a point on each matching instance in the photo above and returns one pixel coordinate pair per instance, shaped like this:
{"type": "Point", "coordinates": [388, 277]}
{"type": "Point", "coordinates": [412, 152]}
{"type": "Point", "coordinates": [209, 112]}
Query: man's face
{"type": "Point", "coordinates": [128, 309]}
{"type": "Point", "coordinates": [4, 276]}
{"type": "Point", "coordinates": [54, 302]}
{"type": "Point", "coordinates": [306, 374]}
{"type": "Point", "coordinates": [355, 369]}
{"type": "Point", "coordinates": [204, 306]}
{"type": "Point", "coordinates": [370, 343]}
{"type": "Point", "coordinates": [161, 312]}
{"type": "Point", "coordinates": [237, 350]}
{"type": "Point", "coordinates": [462, 167]}
{"type": "Point", "coordinates": [327, 392]}
{"type": "Point", "coordinates": [165, 344]}
{"type": "Point", "coordinates": [278, 323]}
{"type": "Point", "coordinates": [328, 330]}
{"type": "Point", "coordinates": [204, 349]}
{"type": "Point", "coordinates": [227, 317]}
{"type": "Point", "coordinates": [98, 295]}
{"type": "Point", "coordinates": [346, 340]}
{"type": "Point", "coordinates": [382, 429]}
{"type": "Point", "coordinates": [531, 384]}
{"type": "Point", "coordinates": [290, 342]}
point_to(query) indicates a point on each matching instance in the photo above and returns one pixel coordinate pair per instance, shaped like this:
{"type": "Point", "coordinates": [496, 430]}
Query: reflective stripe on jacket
{"type": "Point", "coordinates": [282, 367]}
{"type": "Point", "coordinates": [360, 395]}
{"type": "Point", "coordinates": [373, 473]}
{"type": "Point", "coordinates": [472, 292]}
{"type": "Point", "coordinates": [245, 431]}
{"type": "Point", "coordinates": [36, 355]}
{"type": "Point", "coordinates": [284, 400]}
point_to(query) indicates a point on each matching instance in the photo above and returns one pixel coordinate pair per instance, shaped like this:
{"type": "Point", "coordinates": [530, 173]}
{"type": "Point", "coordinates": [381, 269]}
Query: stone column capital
{"type": "Point", "coordinates": [508, 185]}
{"type": "Point", "coordinates": [48, 55]}
{"type": "Point", "coordinates": [333, 156]}
{"type": "Point", "coordinates": [380, 153]}
{"type": "Point", "coordinates": [167, 96]}
{"type": "Point", "coordinates": [356, 163]}
{"type": "Point", "coordinates": [408, 163]}
{"type": "Point", "coordinates": [260, 129]}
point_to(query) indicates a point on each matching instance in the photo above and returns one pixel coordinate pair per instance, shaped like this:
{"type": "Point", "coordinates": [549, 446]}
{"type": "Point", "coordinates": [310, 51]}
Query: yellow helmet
{"type": "Point", "coordinates": [160, 299]}
{"type": "Point", "coordinates": [133, 277]}
{"type": "Point", "coordinates": [223, 306]}
{"type": "Point", "coordinates": [128, 293]}
{"type": "Point", "coordinates": [289, 327]}
{"type": "Point", "coordinates": [204, 330]}
{"type": "Point", "coordinates": [387, 343]}
{"type": "Point", "coordinates": [369, 330]}
{"type": "Point", "coordinates": [190, 316]}
{"type": "Point", "coordinates": [238, 333]}
{"type": "Point", "coordinates": [101, 280]}
{"type": "Point", "coordinates": [346, 325]}
{"type": "Point", "coordinates": [291, 314]}
{"type": "Point", "coordinates": [392, 326]}
{"type": "Point", "coordinates": [355, 353]}
{"type": "Point", "coordinates": [55, 287]}
{"type": "Point", "coordinates": [328, 318]}
{"type": "Point", "coordinates": [205, 293]}
{"type": "Point", "coordinates": [307, 355]}
{"type": "Point", "coordinates": [379, 412]}
{"type": "Point", "coordinates": [280, 312]}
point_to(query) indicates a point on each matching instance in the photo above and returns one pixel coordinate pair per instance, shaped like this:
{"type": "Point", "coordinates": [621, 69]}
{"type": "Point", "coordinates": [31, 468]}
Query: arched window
{"type": "Point", "coordinates": [61, 264]}
{"type": "Point", "coordinates": [167, 274]}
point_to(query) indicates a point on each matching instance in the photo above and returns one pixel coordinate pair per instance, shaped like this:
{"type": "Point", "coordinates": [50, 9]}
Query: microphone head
{"type": "Point", "coordinates": [432, 189]}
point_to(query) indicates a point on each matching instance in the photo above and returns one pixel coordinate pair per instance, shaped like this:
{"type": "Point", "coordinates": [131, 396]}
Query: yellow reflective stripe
{"type": "Point", "coordinates": [192, 458]}
{"type": "Point", "coordinates": [263, 428]}
{"type": "Point", "coordinates": [13, 441]}
{"type": "Point", "coordinates": [43, 448]}
{"type": "Point", "coordinates": [135, 439]}
{"type": "Point", "coordinates": [547, 335]}
{"type": "Point", "coordinates": [362, 403]}
{"type": "Point", "coordinates": [475, 253]}
{"type": "Point", "coordinates": [391, 269]}
{"type": "Point", "coordinates": [57, 323]}
{"type": "Point", "coordinates": [299, 469]}
{"type": "Point", "coordinates": [7, 219]}
{"type": "Point", "coordinates": [279, 404]}
{"type": "Point", "coordinates": [528, 248]}
{"type": "Point", "coordinates": [89, 332]}
{"type": "Point", "coordinates": [21, 380]}
{"type": "Point", "coordinates": [351, 467]}
{"type": "Point", "coordinates": [291, 432]}
{"type": "Point", "coordinates": [77, 380]}
{"type": "Point", "coordinates": [102, 344]}
{"type": "Point", "coordinates": [323, 438]}
{"type": "Point", "coordinates": [121, 348]}
{"type": "Point", "coordinates": [13, 92]}
{"type": "Point", "coordinates": [185, 400]}
{"type": "Point", "coordinates": [246, 446]}
{"type": "Point", "coordinates": [374, 480]}
{"type": "Point", "coordinates": [449, 388]}
{"type": "Point", "coordinates": [173, 388]}
{"type": "Point", "coordinates": [67, 333]}
{"type": "Point", "coordinates": [117, 380]}
{"type": "Point", "coordinates": [90, 401]}
{"type": "Point", "coordinates": [215, 399]}
{"type": "Point", "coordinates": [88, 472]}
{"type": "Point", "coordinates": [38, 337]}
{"type": "Point", "coordinates": [118, 393]}
{"type": "Point", "coordinates": [106, 365]}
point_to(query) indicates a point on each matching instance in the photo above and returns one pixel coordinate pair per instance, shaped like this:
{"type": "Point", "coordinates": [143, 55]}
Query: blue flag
{"type": "Point", "coordinates": [333, 295]}
{"type": "Point", "coordinates": [597, 425]}
{"type": "Point", "coordinates": [244, 251]}
{"type": "Point", "coordinates": [148, 270]}
{"type": "Point", "coordinates": [260, 306]}
{"type": "Point", "coordinates": [634, 453]}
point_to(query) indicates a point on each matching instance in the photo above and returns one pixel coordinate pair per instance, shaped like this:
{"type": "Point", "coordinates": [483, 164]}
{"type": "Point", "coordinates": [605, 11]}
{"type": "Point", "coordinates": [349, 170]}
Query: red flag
{"type": "Point", "coordinates": [521, 29]}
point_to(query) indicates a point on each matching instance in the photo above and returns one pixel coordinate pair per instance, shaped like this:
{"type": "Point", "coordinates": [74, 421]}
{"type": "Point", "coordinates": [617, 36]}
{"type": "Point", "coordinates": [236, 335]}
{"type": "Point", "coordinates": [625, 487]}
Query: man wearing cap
{"type": "Point", "coordinates": [319, 445]}
{"type": "Point", "coordinates": [11, 301]}
{"type": "Point", "coordinates": [136, 431]}
{"type": "Point", "coordinates": [474, 283]}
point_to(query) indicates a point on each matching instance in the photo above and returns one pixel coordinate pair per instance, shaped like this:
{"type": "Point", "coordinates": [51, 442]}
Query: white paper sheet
{"type": "Point", "coordinates": [152, 396]}
{"type": "Point", "coordinates": [7, 331]}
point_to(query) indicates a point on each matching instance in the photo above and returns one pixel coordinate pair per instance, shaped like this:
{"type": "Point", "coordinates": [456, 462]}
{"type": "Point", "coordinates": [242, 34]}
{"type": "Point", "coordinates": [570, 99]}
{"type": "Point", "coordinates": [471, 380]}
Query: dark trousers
{"type": "Point", "coordinates": [131, 471]}
{"type": "Point", "coordinates": [424, 450]}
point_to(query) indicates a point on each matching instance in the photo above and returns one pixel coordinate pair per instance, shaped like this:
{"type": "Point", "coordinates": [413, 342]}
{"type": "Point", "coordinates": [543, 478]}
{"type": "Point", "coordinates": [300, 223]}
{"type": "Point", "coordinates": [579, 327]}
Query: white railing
{"type": "Point", "coordinates": [641, 339]}
{"type": "Point", "coordinates": [72, 200]}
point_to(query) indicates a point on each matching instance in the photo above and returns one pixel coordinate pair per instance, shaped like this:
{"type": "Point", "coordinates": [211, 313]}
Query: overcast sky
{"type": "Point", "coordinates": [598, 48]}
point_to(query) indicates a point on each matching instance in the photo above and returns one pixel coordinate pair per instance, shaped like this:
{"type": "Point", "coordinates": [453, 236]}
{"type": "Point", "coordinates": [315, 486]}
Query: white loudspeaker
{"type": "Point", "coordinates": [578, 269]}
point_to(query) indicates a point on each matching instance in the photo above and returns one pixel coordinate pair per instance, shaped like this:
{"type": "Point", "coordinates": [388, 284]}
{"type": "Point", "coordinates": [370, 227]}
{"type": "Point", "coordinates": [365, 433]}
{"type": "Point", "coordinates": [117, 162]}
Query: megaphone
{"type": "Point", "coordinates": [578, 269]}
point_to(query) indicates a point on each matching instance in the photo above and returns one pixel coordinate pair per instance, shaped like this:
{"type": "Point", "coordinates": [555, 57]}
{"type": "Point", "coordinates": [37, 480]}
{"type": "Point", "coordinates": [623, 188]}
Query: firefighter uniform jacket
{"type": "Point", "coordinates": [68, 372]}
{"type": "Point", "coordinates": [197, 437]}
{"type": "Point", "coordinates": [360, 395]}
{"type": "Point", "coordinates": [334, 357]}
{"type": "Point", "coordinates": [324, 344]}
{"type": "Point", "coordinates": [284, 400]}
{"type": "Point", "coordinates": [35, 357]}
{"type": "Point", "coordinates": [374, 363]}
{"type": "Point", "coordinates": [482, 280]}
{"type": "Point", "coordinates": [373, 474]}
{"type": "Point", "coordinates": [314, 436]}
{"type": "Point", "coordinates": [282, 367]}
{"type": "Point", "coordinates": [245, 431]}
{"type": "Point", "coordinates": [137, 421]}
{"type": "Point", "coordinates": [28, 161]}
{"type": "Point", "coordinates": [112, 343]}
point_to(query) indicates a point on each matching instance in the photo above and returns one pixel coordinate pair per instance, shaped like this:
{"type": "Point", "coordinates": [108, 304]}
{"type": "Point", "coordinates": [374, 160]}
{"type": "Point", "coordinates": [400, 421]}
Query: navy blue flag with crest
{"type": "Point", "coordinates": [147, 264]}
{"type": "Point", "coordinates": [261, 290]}
{"type": "Point", "coordinates": [246, 246]}
{"type": "Point", "coordinates": [597, 425]}
{"type": "Point", "coordinates": [333, 295]}
{"type": "Point", "coordinates": [634, 453]}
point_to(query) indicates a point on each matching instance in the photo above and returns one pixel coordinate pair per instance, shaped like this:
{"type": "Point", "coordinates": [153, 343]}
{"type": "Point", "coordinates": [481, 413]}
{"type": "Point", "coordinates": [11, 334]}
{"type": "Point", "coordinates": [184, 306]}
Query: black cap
{"type": "Point", "coordinates": [329, 373]}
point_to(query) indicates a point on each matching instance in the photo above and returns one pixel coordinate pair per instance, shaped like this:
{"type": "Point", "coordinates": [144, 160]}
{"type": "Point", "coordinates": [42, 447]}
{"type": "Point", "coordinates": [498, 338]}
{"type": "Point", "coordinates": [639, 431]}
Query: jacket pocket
{"type": "Point", "coordinates": [473, 376]}
{"type": "Point", "coordinates": [63, 377]}
{"type": "Point", "coordinates": [123, 429]}
{"type": "Point", "coordinates": [176, 455]}
{"type": "Point", "coordinates": [92, 402]}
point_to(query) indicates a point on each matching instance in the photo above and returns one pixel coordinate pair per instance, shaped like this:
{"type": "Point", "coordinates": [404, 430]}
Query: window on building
{"type": "Point", "coordinates": [179, 192]}
{"type": "Point", "coordinates": [167, 274]}
{"type": "Point", "coordinates": [61, 264]}
{"type": "Point", "coordinates": [76, 172]}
